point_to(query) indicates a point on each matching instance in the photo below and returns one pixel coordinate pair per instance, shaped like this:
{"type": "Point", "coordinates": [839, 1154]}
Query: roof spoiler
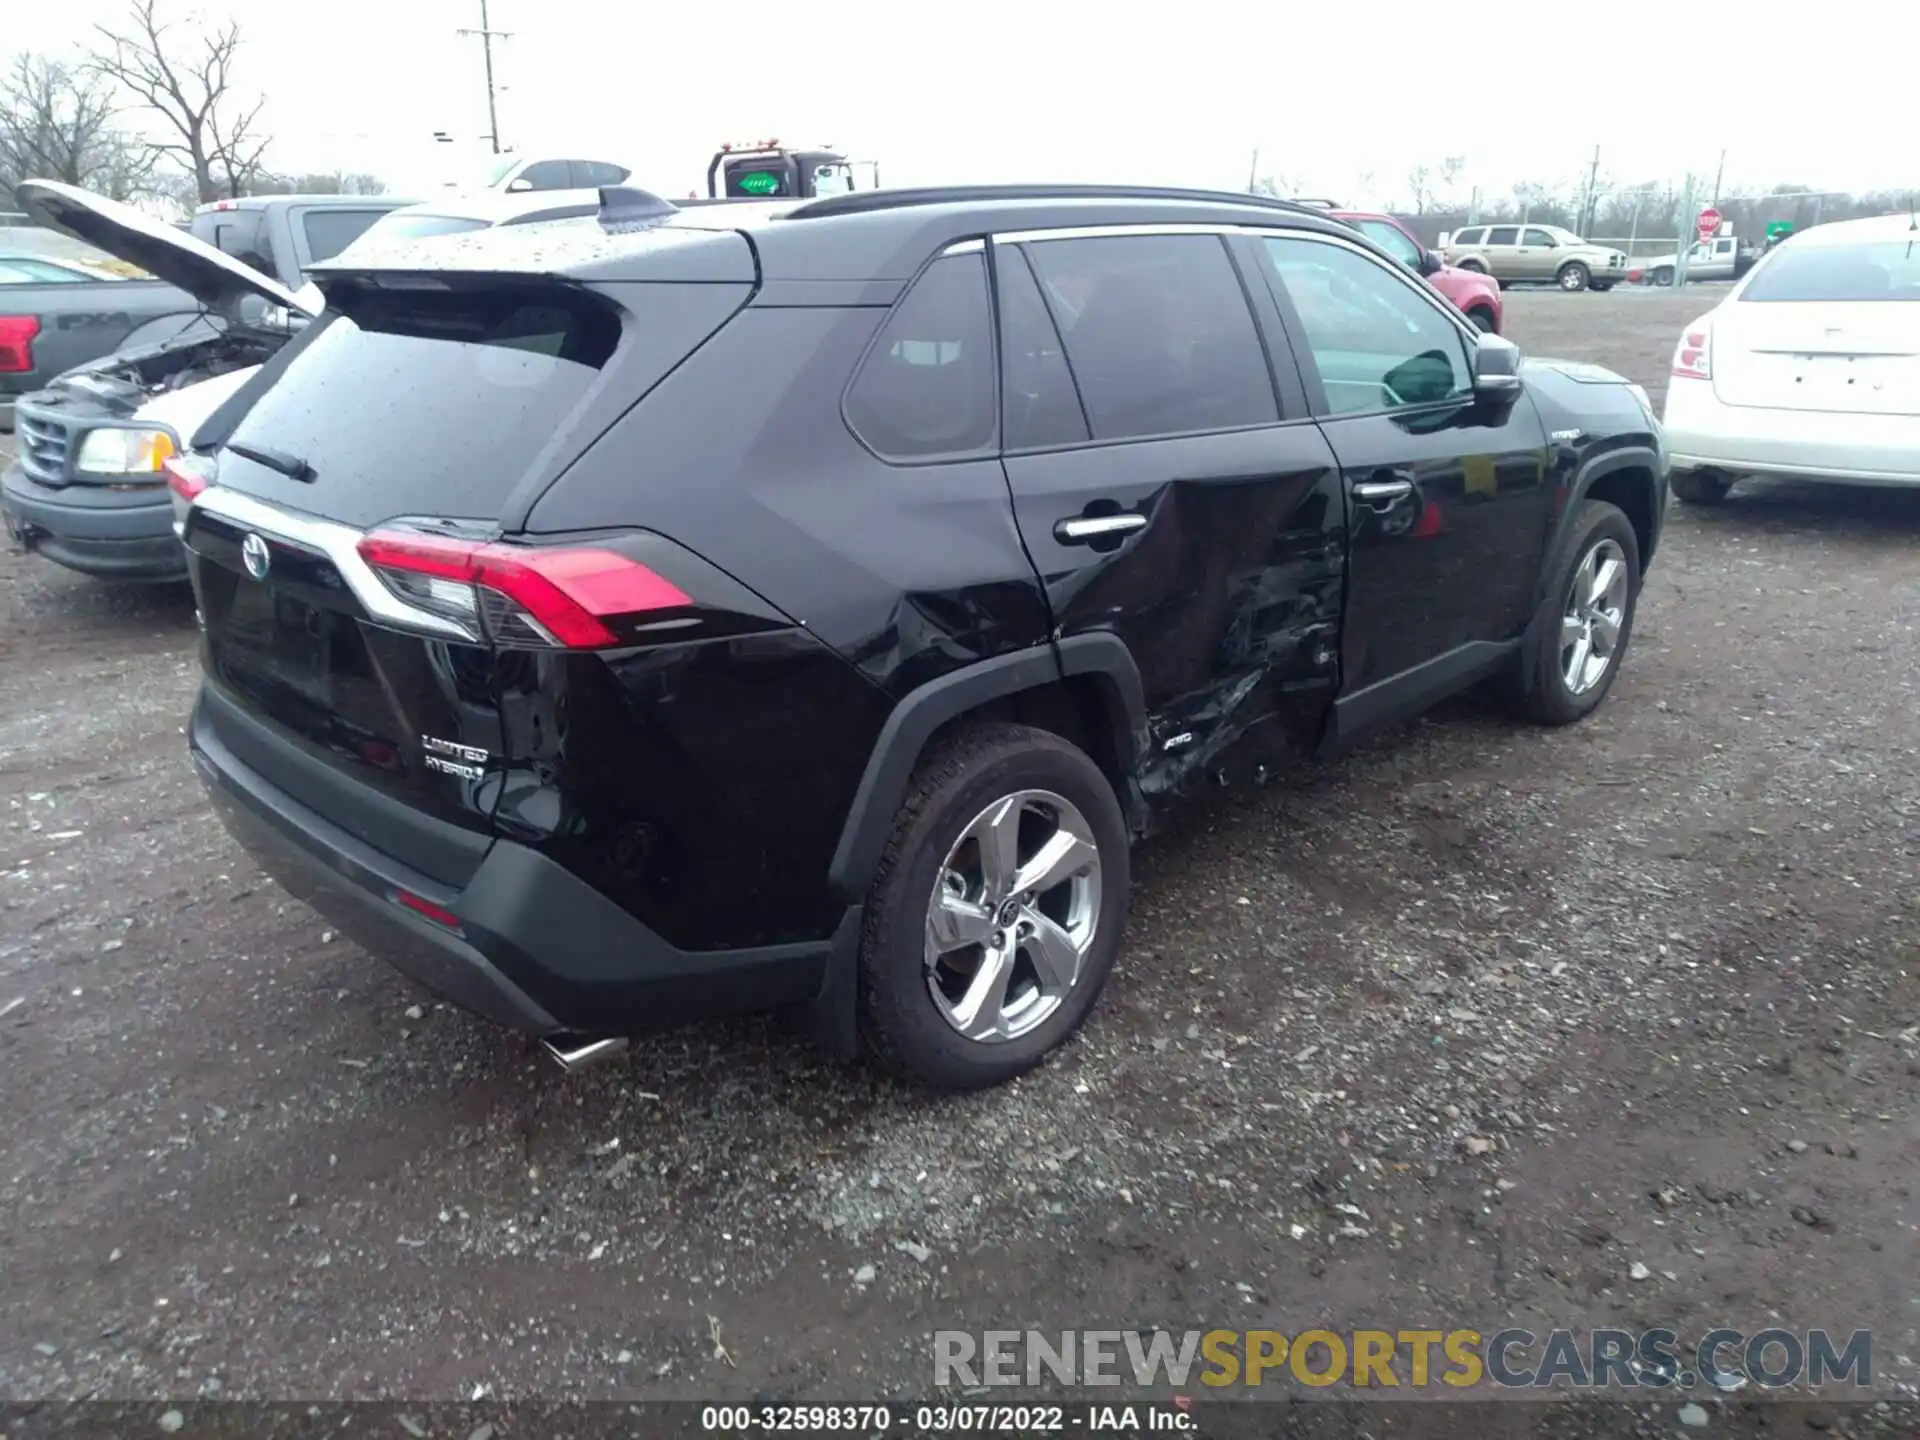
{"type": "Point", "coordinates": [624, 204]}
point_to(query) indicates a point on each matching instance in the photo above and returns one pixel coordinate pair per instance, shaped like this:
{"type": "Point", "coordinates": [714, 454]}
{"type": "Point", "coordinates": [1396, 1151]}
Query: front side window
{"type": "Point", "coordinates": [593, 174]}
{"type": "Point", "coordinates": [1504, 235]}
{"type": "Point", "coordinates": [1536, 236]}
{"type": "Point", "coordinates": [926, 389]}
{"type": "Point", "coordinates": [546, 175]}
{"type": "Point", "coordinates": [1158, 332]}
{"type": "Point", "coordinates": [1393, 240]}
{"type": "Point", "coordinates": [1376, 341]}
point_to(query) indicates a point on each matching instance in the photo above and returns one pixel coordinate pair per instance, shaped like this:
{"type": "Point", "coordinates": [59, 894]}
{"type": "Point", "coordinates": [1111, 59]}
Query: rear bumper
{"type": "Point", "coordinates": [536, 949]}
{"type": "Point", "coordinates": [1704, 434]}
{"type": "Point", "coordinates": [94, 530]}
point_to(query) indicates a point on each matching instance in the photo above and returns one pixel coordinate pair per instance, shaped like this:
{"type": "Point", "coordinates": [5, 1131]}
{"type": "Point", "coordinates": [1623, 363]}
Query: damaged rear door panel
{"type": "Point", "coordinates": [1171, 489]}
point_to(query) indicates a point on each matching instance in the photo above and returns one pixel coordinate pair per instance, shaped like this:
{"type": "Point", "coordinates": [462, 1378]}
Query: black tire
{"type": "Point", "coordinates": [1482, 319]}
{"type": "Point", "coordinates": [1477, 267]}
{"type": "Point", "coordinates": [1663, 275]}
{"type": "Point", "coordinates": [1699, 487]}
{"type": "Point", "coordinates": [903, 1030]}
{"type": "Point", "coordinates": [1573, 276]}
{"type": "Point", "coordinates": [1545, 697]}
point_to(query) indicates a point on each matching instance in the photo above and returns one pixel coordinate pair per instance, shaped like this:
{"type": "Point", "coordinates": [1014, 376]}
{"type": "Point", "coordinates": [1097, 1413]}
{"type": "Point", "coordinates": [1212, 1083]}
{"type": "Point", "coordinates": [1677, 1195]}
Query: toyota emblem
{"type": "Point", "coordinates": [255, 556]}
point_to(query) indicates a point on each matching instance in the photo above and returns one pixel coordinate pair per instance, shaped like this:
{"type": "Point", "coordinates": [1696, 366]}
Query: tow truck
{"type": "Point", "coordinates": [768, 170]}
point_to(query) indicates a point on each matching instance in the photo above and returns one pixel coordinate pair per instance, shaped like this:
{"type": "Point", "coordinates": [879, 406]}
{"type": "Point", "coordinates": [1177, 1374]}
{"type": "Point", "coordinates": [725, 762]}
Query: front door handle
{"type": "Point", "coordinates": [1084, 529]}
{"type": "Point", "coordinates": [1382, 493]}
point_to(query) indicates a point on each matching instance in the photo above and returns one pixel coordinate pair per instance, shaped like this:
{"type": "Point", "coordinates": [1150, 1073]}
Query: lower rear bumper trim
{"type": "Point", "coordinates": [539, 950]}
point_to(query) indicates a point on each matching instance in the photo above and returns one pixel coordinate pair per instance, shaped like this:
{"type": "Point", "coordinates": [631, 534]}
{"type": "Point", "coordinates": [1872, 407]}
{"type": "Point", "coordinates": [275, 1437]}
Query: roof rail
{"type": "Point", "coordinates": [860, 202]}
{"type": "Point", "coordinates": [622, 204]}
{"type": "Point", "coordinates": [1318, 204]}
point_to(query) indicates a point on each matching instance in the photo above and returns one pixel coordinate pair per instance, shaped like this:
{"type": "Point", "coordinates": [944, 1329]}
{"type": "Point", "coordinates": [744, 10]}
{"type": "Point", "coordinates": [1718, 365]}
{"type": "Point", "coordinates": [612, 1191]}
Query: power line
{"type": "Point", "coordinates": [487, 37]}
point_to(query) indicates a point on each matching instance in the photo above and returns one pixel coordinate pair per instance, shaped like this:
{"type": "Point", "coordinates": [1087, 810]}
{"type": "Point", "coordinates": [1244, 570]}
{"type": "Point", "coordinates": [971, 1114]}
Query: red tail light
{"type": "Point", "coordinates": [1693, 357]}
{"type": "Point", "coordinates": [188, 475]}
{"type": "Point", "coordinates": [16, 343]}
{"type": "Point", "coordinates": [520, 594]}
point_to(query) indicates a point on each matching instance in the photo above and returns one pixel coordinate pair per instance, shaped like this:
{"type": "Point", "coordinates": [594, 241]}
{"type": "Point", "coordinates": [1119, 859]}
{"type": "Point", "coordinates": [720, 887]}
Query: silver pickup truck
{"type": "Point", "coordinates": [59, 313]}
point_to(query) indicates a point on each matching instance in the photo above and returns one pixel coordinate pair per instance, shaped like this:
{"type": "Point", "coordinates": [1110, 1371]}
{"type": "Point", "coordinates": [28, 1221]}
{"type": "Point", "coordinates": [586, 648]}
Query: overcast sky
{"type": "Point", "coordinates": [1041, 89]}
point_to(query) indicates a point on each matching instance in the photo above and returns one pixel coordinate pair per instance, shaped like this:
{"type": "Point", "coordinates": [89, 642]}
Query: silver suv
{"type": "Point", "coordinates": [1541, 254]}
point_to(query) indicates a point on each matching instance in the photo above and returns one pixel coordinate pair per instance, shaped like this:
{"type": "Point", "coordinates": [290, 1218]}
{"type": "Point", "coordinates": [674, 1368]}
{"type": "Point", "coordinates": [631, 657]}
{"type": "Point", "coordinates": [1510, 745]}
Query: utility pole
{"type": "Point", "coordinates": [1587, 206]}
{"type": "Point", "coordinates": [487, 37]}
{"type": "Point", "coordinates": [1253, 173]}
{"type": "Point", "coordinates": [1685, 242]}
{"type": "Point", "coordinates": [1717, 174]}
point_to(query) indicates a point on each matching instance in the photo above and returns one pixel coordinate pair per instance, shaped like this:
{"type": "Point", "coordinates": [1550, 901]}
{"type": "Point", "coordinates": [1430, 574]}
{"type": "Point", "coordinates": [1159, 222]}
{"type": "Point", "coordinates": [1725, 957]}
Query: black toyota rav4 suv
{"type": "Point", "coordinates": [804, 605]}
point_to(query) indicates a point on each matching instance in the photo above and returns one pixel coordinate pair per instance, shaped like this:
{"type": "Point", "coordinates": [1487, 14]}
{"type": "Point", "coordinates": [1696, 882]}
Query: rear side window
{"type": "Point", "coordinates": [1468, 237]}
{"type": "Point", "coordinates": [925, 390]}
{"type": "Point", "coordinates": [328, 232]}
{"type": "Point", "coordinates": [1844, 273]}
{"type": "Point", "coordinates": [239, 233]}
{"type": "Point", "coordinates": [1158, 333]}
{"type": "Point", "coordinates": [1503, 235]}
{"type": "Point", "coordinates": [426, 403]}
{"type": "Point", "coordinates": [1041, 405]}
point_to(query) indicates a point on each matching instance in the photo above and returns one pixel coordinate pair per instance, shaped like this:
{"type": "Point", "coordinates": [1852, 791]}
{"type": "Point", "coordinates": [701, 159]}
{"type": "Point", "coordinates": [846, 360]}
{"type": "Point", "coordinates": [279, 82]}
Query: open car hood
{"type": "Point", "coordinates": [216, 280]}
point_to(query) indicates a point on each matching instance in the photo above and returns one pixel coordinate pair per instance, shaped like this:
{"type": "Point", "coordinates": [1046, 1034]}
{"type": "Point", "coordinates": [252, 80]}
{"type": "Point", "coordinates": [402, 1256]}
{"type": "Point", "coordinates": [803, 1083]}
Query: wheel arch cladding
{"type": "Point", "coordinates": [1626, 479]}
{"type": "Point", "coordinates": [1086, 689]}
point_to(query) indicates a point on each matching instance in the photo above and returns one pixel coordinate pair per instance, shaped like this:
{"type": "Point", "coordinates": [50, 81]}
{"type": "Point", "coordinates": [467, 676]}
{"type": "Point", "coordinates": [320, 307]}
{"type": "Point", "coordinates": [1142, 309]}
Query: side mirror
{"type": "Point", "coordinates": [520, 186]}
{"type": "Point", "coordinates": [1431, 263]}
{"type": "Point", "coordinates": [1496, 370]}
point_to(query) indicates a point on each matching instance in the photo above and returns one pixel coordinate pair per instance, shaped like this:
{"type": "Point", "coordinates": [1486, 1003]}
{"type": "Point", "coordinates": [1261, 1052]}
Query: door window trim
{"type": "Point", "coordinates": [1303, 351]}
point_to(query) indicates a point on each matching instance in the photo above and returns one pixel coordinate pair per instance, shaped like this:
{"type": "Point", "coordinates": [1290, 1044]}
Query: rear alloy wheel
{"type": "Point", "coordinates": [1574, 647]}
{"type": "Point", "coordinates": [1663, 275]}
{"type": "Point", "coordinates": [997, 912]}
{"type": "Point", "coordinates": [1573, 276]}
{"type": "Point", "coordinates": [1700, 487]}
{"type": "Point", "coordinates": [1482, 319]}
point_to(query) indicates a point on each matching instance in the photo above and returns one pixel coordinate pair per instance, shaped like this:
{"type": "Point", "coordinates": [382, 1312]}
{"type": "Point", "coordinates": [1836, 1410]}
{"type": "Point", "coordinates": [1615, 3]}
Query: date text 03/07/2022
{"type": "Point", "coordinates": [942, 1418]}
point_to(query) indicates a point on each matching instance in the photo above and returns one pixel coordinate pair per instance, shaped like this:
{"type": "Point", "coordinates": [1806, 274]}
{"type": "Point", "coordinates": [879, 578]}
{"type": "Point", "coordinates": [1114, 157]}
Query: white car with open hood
{"type": "Point", "coordinates": [89, 491]}
{"type": "Point", "coordinates": [1809, 369]}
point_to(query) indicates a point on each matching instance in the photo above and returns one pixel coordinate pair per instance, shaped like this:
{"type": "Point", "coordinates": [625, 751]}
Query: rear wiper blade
{"type": "Point", "coordinates": [291, 466]}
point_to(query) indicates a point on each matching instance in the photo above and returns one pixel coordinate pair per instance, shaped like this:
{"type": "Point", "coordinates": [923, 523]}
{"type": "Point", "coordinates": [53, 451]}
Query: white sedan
{"type": "Point", "coordinates": [1810, 368]}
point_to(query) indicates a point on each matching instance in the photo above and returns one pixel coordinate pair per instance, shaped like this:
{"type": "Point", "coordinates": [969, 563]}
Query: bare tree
{"type": "Point", "coordinates": [1420, 189]}
{"type": "Point", "coordinates": [188, 84]}
{"type": "Point", "coordinates": [57, 123]}
{"type": "Point", "coordinates": [321, 182]}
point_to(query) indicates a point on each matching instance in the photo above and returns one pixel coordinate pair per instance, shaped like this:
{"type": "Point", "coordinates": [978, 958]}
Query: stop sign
{"type": "Point", "coordinates": [1709, 223]}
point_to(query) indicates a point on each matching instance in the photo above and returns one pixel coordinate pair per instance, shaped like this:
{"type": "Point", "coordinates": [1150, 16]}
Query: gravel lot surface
{"type": "Point", "coordinates": [1468, 1029]}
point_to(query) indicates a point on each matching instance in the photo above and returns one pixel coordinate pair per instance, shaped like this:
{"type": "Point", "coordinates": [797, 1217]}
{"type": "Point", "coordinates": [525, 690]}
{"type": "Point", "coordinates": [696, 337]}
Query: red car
{"type": "Point", "coordinates": [1477, 296]}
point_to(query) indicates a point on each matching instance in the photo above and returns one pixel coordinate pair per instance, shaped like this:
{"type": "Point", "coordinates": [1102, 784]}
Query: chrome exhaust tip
{"type": "Point", "coordinates": [577, 1052]}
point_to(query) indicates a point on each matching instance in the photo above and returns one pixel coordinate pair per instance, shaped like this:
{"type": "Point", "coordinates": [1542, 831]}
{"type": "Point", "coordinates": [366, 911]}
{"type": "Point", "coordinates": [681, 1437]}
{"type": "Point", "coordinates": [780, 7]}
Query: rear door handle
{"type": "Point", "coordinates": [1381, 493]}
{"type": "Point", "coordinates": [1083, 529]}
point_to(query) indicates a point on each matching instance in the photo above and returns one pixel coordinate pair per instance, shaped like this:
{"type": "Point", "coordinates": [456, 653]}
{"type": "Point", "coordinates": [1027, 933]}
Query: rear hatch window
{"type": "Point", "coordinates": [424, 402]}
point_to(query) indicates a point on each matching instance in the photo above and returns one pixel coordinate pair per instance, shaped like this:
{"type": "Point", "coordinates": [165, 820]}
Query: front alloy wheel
{"type": "Point", "coordinates": [1014, 913]}
{"type": "Point", "coordinates": [1596, 610]}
